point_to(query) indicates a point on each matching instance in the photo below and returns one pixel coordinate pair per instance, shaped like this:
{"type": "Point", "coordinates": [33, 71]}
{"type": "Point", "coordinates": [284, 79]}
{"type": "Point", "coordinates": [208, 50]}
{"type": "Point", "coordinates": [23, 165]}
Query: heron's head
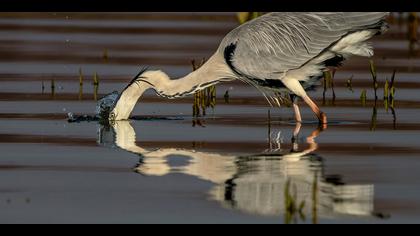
{"type": "Point", "coordinates": [146, 79]}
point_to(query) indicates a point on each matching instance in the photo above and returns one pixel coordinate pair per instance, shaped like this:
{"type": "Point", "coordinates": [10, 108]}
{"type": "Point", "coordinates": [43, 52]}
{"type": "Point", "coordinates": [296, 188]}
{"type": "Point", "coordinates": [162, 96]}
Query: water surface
{"type": "Point", "coordinates": [165, 166]}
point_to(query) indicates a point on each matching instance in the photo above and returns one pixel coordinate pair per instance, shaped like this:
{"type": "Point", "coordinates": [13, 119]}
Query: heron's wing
{"type": "Point", "coordinates": [278, 42]}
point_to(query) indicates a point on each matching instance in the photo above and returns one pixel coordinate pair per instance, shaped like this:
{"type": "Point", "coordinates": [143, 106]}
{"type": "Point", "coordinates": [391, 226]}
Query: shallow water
{"type": "Point", "coordinates": [230, 166]}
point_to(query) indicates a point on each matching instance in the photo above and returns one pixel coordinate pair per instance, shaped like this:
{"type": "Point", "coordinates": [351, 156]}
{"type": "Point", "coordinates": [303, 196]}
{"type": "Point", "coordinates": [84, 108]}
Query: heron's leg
{"type": "Point", "coordinates": [295, 144]}
{"type": "Point", "coordinates": [295, 86]}
{"type": "Point", "coordinates": [311, 139]}
{"type": "Point", "coordinates": [294, 99]}
{"type": "Point", "coordinates": [321, 115]}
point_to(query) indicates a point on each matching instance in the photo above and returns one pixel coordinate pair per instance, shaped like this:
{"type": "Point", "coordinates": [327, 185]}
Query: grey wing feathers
{"type": "Point", "coordinates": [278, 42]}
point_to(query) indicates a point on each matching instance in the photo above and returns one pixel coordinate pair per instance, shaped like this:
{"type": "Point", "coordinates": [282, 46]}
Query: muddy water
{"type": "Point", "coordinates": [230, 166]}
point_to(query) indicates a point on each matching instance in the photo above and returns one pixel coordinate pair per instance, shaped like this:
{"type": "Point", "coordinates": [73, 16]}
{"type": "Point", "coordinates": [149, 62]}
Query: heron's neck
{"type": "Point", "coordinates": [211, 73]}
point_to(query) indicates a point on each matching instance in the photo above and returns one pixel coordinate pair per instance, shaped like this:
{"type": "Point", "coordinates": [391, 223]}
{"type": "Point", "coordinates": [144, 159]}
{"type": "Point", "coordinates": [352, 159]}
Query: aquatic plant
{"type": "Point", "coordinates": [386, 89]}
{"type": "Point", "coordinates": [412, 26]}
{"type": "Point", "coordinates": [412, 32]}
{"type": "Point", "coordinates": [363, 97]}
{"type": "Point", "coordinates": [392, 89]}
{"type": "Point", "coordinates": [247, 16]}
{"type": "Point", "coordinates": [95, 92]}
{"type": "Point", "coordinates": [349, 84]}
{"type": "Point", "coordinates": [389, 93]}
{"type": "Point", "coordinates": [375, 87]}
{"type": "Point", "coordinates": [389, 97]}
{"type": "Point", "coordinates": [374, 77]}
{"type": "Point", "coordinates": [95, 79]}
{"type": "Point", "coordinates": [80, 93]}
{"type": "Point", "coordinates": [400, 19]}
{"type": "Point", "coordinates": [95, 86]}
{"type": "Point", "coordinates": [386, 95]}
{"type": "Point", "coordinates": [105, 55]}
{"type": "Point", "coordinates": [226, 96]}
{"type": "Point", "coordinates": [374, 118]}
{"type": "Point", "coordinates": [205, 98]}
{"type": "Point", "coordinates": [391, 18]}
{"type": "Point", "coordinates": [315, 199]}
{"type": "Point", "coordinates": [291, 206]}
{"type": "Point", "coordinates": [80, 77]}
{"type": "Point", "coordinates": [328, 84]}
{"type": "Point", "coordinates": [394, 116]}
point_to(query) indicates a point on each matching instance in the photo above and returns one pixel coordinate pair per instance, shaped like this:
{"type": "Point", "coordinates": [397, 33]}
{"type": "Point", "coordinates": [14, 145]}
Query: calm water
{"type": "Point", "coordinates": [230, 166]}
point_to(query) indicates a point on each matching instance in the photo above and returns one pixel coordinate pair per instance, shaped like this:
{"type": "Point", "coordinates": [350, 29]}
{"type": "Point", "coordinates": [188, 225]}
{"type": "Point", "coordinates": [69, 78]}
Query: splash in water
{"type": "Point", "coordinates": [103, 109]}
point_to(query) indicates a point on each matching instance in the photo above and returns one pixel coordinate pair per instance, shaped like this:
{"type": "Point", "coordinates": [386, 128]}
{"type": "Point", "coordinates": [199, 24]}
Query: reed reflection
{"type": "Point", "coordinates": [276, 182]}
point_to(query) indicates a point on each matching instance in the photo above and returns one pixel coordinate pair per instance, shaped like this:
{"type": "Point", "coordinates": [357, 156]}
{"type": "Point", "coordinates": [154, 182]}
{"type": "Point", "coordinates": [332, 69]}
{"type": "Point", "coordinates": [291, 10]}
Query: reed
{"type": "Point", "coordinates": [373, 72]}
{"type": "Point", "coordinates": [374, 118]}
{"type": "Point", "coordinates": [247, 16]}
{"type": "Point", "coordinates": [349, 84]}
{"type": "Point", "coordinates": [226, 96]}
{"type": "Point", "coordinates": [386, 90]}
{"type": "Point", "coordinates": [374, 77]}
{"type": "Point", "coordinates": [105, 55]}
{"type": "Point", "coordinates": [293, 208]}
{"type": "Point", "coordinates": [80, 77]}
{"type": "Point", "coordinates": [315, 199]}
{"type": "Point", "coordinates": [389, 93]}
{"type": "Point", "coordinates": [96, 79]}
{"type": "Point", "coordinates": [95, 92]}
{"type": "Point", "coordinates": [412, 31]}
{"type": "Point", "coordinates": [95, 86]}
{"type": "Point", "coordinates": [363, 97]}
{"type": "Point", "coordinates": [328, 84]}
{"type": "Point", "coordinates": [392, 88]}
{"type": "Point", "coordinates": [391, 99]}
{"type": "Point", "coordinates": [205, 98]}
{"type": "Point", "coordinates": [80, 93]}
{"type": "Point", "coordinates": [386, 95]}
{"type": "Point", "coordinates": [412, 27]}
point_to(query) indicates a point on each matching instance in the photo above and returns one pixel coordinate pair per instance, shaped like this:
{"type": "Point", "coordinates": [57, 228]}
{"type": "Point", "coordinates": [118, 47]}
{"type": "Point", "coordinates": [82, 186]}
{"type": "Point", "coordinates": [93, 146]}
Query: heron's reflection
{"type": "Point", "coordinates": [272, 183]}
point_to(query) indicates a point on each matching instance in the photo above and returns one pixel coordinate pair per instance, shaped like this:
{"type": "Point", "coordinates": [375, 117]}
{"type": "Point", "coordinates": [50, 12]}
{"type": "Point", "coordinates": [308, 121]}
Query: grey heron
{"type": "Point", "coordinates": [277, 52]}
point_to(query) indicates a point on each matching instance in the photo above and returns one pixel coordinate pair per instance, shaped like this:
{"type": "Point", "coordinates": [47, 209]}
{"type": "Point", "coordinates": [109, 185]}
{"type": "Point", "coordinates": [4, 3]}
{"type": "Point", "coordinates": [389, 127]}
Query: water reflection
{"type": "Point", "coordinates": [276, 182]}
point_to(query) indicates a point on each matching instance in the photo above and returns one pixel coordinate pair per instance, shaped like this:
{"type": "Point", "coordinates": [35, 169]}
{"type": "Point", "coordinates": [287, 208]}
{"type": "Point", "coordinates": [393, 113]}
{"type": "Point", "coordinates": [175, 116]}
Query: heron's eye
{"type": "Point", "coordinates": [112, 117]}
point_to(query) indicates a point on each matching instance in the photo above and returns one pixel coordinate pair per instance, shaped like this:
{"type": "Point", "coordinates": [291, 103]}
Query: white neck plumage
{"type": "Point", "coordinates": [212, 72]}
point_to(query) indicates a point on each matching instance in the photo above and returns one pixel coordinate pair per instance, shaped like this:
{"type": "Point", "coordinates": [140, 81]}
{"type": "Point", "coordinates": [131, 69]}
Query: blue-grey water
{"type": "Point", "coordinates": [229, 166]}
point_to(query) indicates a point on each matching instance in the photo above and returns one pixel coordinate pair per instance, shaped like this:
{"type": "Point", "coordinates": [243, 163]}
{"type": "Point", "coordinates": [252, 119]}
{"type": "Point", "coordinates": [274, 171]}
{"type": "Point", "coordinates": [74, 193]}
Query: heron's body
{"type": "Point", "coordinates": [277, 52]}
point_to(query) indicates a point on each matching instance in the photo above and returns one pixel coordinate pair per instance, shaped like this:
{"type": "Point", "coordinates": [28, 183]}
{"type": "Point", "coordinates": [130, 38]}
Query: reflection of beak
{"type": "Point", "coordinates": [210, 166]}
{"type": "Point", "coordinates": [153, 167]}
{"type": "Point", "coordinates": [125, 137]}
